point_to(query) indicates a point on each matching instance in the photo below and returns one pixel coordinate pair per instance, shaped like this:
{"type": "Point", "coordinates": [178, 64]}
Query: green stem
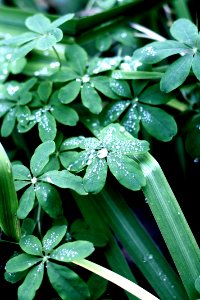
{"type": "Point", "coordinates": [117, 279]}
{"type": "Point", "coordinates": [172, 223]}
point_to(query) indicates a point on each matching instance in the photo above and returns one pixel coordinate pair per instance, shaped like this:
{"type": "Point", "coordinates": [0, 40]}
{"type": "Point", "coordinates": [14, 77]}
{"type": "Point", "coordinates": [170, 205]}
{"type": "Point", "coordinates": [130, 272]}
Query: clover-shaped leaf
{"type": "Point", "coordinates": [43, 35]}
{"type": "Point", "coordinates": [186, 35]}
{"type": "Point", "coordinates": [114, 148]}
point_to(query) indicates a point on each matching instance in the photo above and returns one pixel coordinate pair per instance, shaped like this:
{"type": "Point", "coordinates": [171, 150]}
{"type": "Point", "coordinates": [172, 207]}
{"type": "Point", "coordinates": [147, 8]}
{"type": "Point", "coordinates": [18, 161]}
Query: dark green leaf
{"type": "Point", "coordinates": [69, 92]}
{"type": "Point", "coordinates": [103, 42]}
{"type": "Point", "coordinates": [65, 115]}
{"type": "Point", "coordinates": [26, 202]}
{"type": "Point", "coordinates": [47, 127]}
{"type": "Point", "coordinates": [121, 88]}
{"type": "Point", "coordinates": [44, 90]}
{"type": "Point", "coordinates": [176, 74]}
{"type": "Point", "coordinates": [97, 286]}
{"type": "Point", "coordinates": [77, 58]}
{"type": "Point", "coordinates": [14, 277]}
{"type": "Point", "coordinates": [131, 121]}
{"type": "Point", "coordinates": [53, 237]}
{"type": "Point", "coordinates": [152, 95]}
{"type": "Point", "coordinates": [31, 283]}
{"type": "Point", "coordinates": [102, 84]}
{"type": "Point", "coordinates": [21, 262]}
{"type": "Point", "coordinates": [8, 123]}
{"type": "Point", "coordinates": [67, 283]}
{"type": "Point", "coordinates": [113, 111]}
{"type": "Point", "coordinates": [49, 199]}
{"type": "Point", "coordinates": [91, 98]}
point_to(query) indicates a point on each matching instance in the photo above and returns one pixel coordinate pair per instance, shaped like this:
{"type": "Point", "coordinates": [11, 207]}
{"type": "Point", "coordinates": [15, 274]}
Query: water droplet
{"type": "Point", "coordinates": [102, 153]}
{"type": "Point", "coordinates": [85, 78]}
{"type": "Point", "coordinates": [34, 180]}
{"type": "Point", "coordinates": [196, 160]}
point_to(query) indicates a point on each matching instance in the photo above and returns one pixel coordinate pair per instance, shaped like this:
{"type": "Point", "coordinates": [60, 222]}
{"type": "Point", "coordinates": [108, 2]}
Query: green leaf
{"type": "Point", "coordinates": [31, 283]}
{"type": "Point", "coordinates": [45, 42]}
{"type": "Point", "coordinates": [67, 158]}
{"type": "Point", "coordinates": [64, 74]}
{"type": "Point", "coordinates": [131, 121]}
{"type": "Point", "coordinates": [192, 141]}
{"type": "Point", "coordinates": [8, 123]}
{"type": "Point", "coordinates": [95, 176]}
{"type": "Point", "coordinates": [38, 23]}
{"type": "Point", "coordinates": [21, 172]}
{"type": "Point", "coordinates": [97, 286]}
{"type": "Point", "coordinates": [31, 245]}
{"type": "Point", "coordinates": [41, 157]}
{"type": "Point", "coordinates": [14, 277]}
{"type": "Point", "coordinates": [126, 171]}
{"type": "Point", "coordinates": [103, 42]}
{"type": "Point", "coordinates": [176, 73]}
{"type": "Point", "coordinates": [65, 115]}
{"type": "Point", "coordinates": [64, 179]}
{"type": "Point", "coordinates": [80, 160]}
{"type": "Point", "coordinates": [26, 202]}
{"type": "Point", "coordinates": [195, 65]}
{"type": "Point", "coordinates": [17, 66]}
{"type": "Point", "coordinates": [61, 20]}
{"type": "Point", "coordinates": [21, 39]}
{"type": "Point", "coordinates": [28, 226]}
{"type": "Point", "coordinates": [49, 199]}
{"type": "Point", "coordinates": [72, 251]}
{"type": "Point", "coordinates": [113, 111]}
{"type": "Point", "coordinates": [152, 95]}
{"type": "Point", "coordinates": [69, 92]}
{"type": "Point", "coordinates": [4, 107]}
{"type": "Point", "coordinates": [121, 88]}
{"type": "Point", "coordinates": [67, 283]}
{"type": "Point", "coordinates": [197, 284]}
{"type": "Point", "coordinates": [99, 65]}
{"type": "Point", "coordinates": [185, 32]}
{"type": "Point", "coordinates": [76, 57]}
{"type": "Point", "coordinates": [91, 99]}
{"type": "Point", "coordinates": [21, 262]}
{"type": "Point", "coordinates": [44, 90]}
{"type": "Point", "coordinates": [21, 52]}
{"type": "Point", "coordinates": [20, 184]}
{"type": "Point", "coordinates": [102, 84]}
{"type": "Point", "coordinates": [158, 123]}
{"type": "Point", "coordinates": [157, 51]}
{"type": "Point", "coordinates": [53, 237]}
{"type": "Point", "coordinates": [47, 127]}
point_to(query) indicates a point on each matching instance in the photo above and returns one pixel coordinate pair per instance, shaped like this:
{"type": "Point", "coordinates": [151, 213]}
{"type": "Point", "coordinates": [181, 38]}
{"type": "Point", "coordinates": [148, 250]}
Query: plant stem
{"type": "Point", "coordinates": [172, 223]}
{"type": "Point", "coordinates": [117, 279]}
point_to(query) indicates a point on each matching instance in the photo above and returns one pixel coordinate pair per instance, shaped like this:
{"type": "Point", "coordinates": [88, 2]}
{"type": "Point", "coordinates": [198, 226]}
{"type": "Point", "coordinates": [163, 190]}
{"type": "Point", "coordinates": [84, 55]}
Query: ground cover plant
{"type": "Point", "coordinates": [99, 150]}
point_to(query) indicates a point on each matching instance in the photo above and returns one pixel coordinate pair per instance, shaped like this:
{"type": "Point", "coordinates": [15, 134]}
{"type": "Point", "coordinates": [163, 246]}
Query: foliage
{"type": "Point", "coordinates": [87, 103]}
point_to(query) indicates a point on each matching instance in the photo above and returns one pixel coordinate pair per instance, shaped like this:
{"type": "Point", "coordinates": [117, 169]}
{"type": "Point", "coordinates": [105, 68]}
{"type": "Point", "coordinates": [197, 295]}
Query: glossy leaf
{"type": "Point", "coordinates": [72, 251]}
{"type": "Point", "coordinates": [126, 171]}
{"type": "Point", "coordinates": [41, 157]}
{"type": "Point", "coordinates": [176, 73]}
{"type": "Point", "coordinates": [158, 123]}
{"type": "Point", "coordinates": [26, 202]}
{"type": "Point", "coordinates": [53, 237]}
{"type": "Point", "coordinates": [67, 283]}
{"type": "Point", "coordinates": [21, 262]}
{"type": "Point", "coordinates": [91, 99]}
{"type": "Point", "coordinates": [49, 199]}
{"type": "Point", "coordinates": [95, 176]}
{"type": "Point", "coordinates": [31, 283]}
{"type": "Point", "coordinates": [31, 245]}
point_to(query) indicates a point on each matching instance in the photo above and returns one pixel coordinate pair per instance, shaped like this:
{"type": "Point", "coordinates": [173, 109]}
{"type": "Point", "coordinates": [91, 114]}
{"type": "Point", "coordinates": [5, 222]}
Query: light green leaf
{"type": "Point", "coordinates": [21, 39]}
{"type": "Point", "coordinates": [72, 251]}
{"type": "Point", "coordinates": [4, 107]}
{"type": "Point", "coordinates": [196, 65]}
{"type": "Point", "coordinates": [31, 283]}
{"type": "Point", "coordinates": [47, 127]}
{"type": "Point", "coordinates": [69, 92]}
{"type": "Point", "coordinates": [61, 20]}
{"type": "Point", "coordinates": [64, 179]}
{"type": "Point", "coordinates": [41, 157]}
{"type": "Point", "coordinates": [53, 237]}
{"type": "Point", "coordinates": [64, 74]}
{"type": "Point", "coordinates": [185, 32]}
{"type": "Point", "coordinates": [21, 172]}
{"type": "Point", "coordinates": [45, 42]}
{"type": "Point", "coordinates": [72, 143]}
{"type": "Point", "coordinates": [24, 50]}
{"type": "Point", "coordinates": [21, 262]}
{"type": "Point", "coordinates": [26, 202]}
{"type": "Point", "coordinates": [176, 73]}
{"type": "Point", "coordinates": [17, 66]}
{"type": "Point", "coordinates": [126, 171]}
{"type": "Point", "coordinates": [76, 57]}
{"type": "Point", "coordinates": [157, 51]}
{"type": "Point", "coordinates": [65, 115]}
{"type": "Point", "coordinates": [91, 99]}
{"type": "Point", "coordinates": [38, 23]}
{"type": "Point", "coordinates": [67, 283]}
{"type": "Point", "coordinates": [95, 176]}
{"type": "Point", "coordinates": [67, 158]}
{"type": "Point", "coordinates": [121, 88]}
{"type": "Point", "coordinates": [158, 123]}
{"type": "Point", "coordinates": [98, 65]}
{"type": "Point", "coordinates": [49, 199]}
{"type": "Point", "coordinates": [20, 184]}
{"type": "Point", "coordinates": [80, 160]}
{"type": "Point", "coordinates": [8, 123]}
{"type": "Point", "coordinates": [31, 245]}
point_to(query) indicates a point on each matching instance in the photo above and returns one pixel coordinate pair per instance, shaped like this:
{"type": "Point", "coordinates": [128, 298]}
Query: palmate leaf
{"type": "Point", "coordinates": [53, 237]}
{"type": "Point", "coordinates": [184, 31]}
{"type": "Point", "coordinates": [26, 202]}
{"type": "Point", "coordinates": [21, 262]}
{"type": "Point", "coordinates": [196, 65]}
{"type": "Point", "coordinates": [91, 98]}
{"type": "Point", "coordinates": [72, 251]}
{"type": "Point", "coordinates": [176, 73]}
{"type": "Point", "coordinates": [112, 111]}
{"type": "Point", "coordinates": [47, 127]}
{"type": "Point", "coordinates": [31, 283]}
{"type": "Point", "coordinates": [69, 92]}
{"type": "Point", "coordinates": [102, 84]}
{"type": "Point", "coordinates": [67, 283]}
{"type": "Point", "coordinates": [120, 87]}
